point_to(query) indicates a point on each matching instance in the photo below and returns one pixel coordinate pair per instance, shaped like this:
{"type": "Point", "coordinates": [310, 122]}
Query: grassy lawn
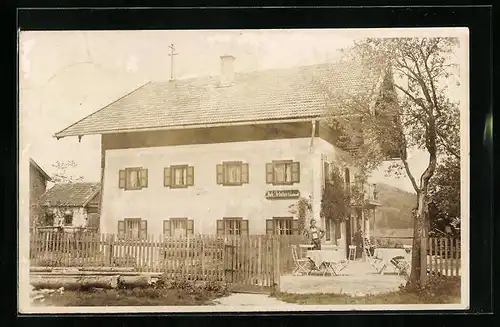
{"type": "Point", "coordinates": [128, 297]}
{"type": "Point", "coordinates": [388, 298]}
{"type": "Point", "coordinates": [435, 291]}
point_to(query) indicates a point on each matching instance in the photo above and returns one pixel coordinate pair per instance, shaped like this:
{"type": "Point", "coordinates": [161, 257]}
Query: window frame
{"type": "Point", "coordinates": [128, 187]}
{"type": "Point", "coordinates": [225, 168]}
{"type": "Point", "coordinates": [142, 176]}
{"type": "Point", "coordinates": [223, 176]}
{"type": "Point", "coordinates": [275, 163]}
{"type": "Point", "coordinates": [284, 219]}
{"type": "Point", "coordinates": [125, 236]}
{"type": "Point", "coordinates": [240, 220]}
{"type": "Point", "coordinates": [169, 176]}
{"type": "Point", "coordinates": [285, 163]}
{"type": "Point", "coordinates": [183, 219]}
{"type": "Point", "coordinates": [184, 169]}
{"type": "Point", "coordinates": [65, 218]}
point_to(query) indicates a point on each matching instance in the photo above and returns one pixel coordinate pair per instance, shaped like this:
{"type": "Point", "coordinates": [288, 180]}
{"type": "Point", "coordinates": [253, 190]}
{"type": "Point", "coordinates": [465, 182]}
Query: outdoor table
{"type": "Point", "coordinates": [331, 260]}
{"type": "Point", "coordinates": [387, 254]}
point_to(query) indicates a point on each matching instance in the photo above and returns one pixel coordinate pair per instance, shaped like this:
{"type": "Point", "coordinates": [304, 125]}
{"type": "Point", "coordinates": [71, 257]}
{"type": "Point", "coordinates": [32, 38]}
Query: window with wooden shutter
{"type": "Point", "coordinates": [144, 178]}
{"type": "Point", "coordinates": [283, 225]}
{"type": "Point", "coordinates": [166, 177]}
{"type": "Point", "coordinates": [121, 229]}
{"type": "Point", "coordinates": [220, 174]}
{"type": "Point", "coordinates": [133, 178]}
{"type": "Point", "coordinates": [122, 178]}
{"type": "Point", "coordinates": [179, 176]}
{"type": "Point", "coordinates": [220, 227]}
{"type": "Point", "coordinates": [283, 172]}
{"type": "Point", "coordinates": [244, 173]}
{"type": "Point", "coordinates": [232, 173]}
{"type": "Point", "coordinates": [269, 173]}
{"type": "Point", "coordinates": [143, 232]}
{"type": "Point", "coordinates": [269, 227]}
{"type": "Point", "coordinates": [166, 228]}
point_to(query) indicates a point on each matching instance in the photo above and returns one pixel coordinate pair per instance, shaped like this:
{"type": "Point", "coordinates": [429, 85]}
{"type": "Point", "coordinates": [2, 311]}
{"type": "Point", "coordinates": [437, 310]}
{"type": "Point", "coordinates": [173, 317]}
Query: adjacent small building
{"type": "Point", "coordinates": [71, 206]}
{"type": "Point", "coordinates": [38, 186]}
{"type": "Point", "coordinates": [226, 155]}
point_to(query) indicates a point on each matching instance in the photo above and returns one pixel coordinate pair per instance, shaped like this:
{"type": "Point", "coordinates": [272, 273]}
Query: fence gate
{"type": "Point", "coordinates": [249, 264]}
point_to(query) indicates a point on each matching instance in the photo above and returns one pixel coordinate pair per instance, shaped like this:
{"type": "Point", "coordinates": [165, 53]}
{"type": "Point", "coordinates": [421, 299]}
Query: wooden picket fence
{"type": "Point", "coordinates": [243, 261]}
{"type": "Point", "coordinates": [442, 256]}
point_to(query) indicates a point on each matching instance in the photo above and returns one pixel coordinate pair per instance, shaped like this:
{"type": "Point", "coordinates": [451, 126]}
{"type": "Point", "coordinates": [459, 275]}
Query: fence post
{"type": "Point", "coordinates": [423, 259]}
{"type": "Point", "coordinates": [109, 248]}
{"type": "Point", "coordinates": [276, 263]}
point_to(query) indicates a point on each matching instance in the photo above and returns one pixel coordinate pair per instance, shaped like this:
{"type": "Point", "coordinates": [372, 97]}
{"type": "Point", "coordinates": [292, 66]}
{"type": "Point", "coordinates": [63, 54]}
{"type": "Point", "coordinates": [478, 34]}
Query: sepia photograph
{"type": "Point", "coordinates": [243, 170]}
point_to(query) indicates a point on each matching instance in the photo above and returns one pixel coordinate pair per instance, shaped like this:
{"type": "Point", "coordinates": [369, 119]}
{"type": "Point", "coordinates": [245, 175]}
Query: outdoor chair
{"type": "Point", "coordinates": [378, 264]}
{"type": "Point", "coordinates": [402, 266]}
{"type": "Point", "coordinates": [352, 253]}
{"type": "Point", "coordinates": [302, 265]}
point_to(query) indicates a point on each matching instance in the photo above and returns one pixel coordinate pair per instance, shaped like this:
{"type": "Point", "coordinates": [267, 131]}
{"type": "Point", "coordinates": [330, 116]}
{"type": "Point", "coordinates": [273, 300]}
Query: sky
{"type": "Point", "coordinates": [66, 75]}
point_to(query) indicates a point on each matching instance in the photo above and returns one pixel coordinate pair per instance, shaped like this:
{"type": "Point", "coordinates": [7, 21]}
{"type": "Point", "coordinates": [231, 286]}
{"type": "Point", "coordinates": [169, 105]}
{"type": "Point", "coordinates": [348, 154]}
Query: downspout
{"type": "Point", "coordinates": [311, 152]}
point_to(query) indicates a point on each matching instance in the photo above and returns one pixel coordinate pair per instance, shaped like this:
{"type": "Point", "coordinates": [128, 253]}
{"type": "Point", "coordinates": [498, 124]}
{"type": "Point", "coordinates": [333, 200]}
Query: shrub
{"type": "Point", "coordinates": [210, 288]}
{"type": "Point", "coordinates": [434, 286]}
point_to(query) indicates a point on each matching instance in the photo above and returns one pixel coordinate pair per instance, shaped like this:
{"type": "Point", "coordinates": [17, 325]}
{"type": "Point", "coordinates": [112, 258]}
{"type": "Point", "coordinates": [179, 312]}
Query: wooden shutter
{"type": "Point", "coordinates": [144, 178]}
{"type": "Point", "coordinates": [143, 231]}
{"type": "Point", "coordinates": [166, 228]}
{"type": "Point", "coordinates": [269, 227]}
{"type": "Point", "coordinates": [190, 227]}
{"type": "Point", "coordinates": [296, 172]}
{"type": "Point", "coordinates": [220, 174]}
{"type": "Point", "coordinates": [190, 176]}
{"type": "Point", "coordinates": [121, 229]}
{"type": "Point", "coordinates": [244, 227]}
{"type": "Point", "coordinates": [295, 227]}
{"type": "Point", "coordinates": [220, 227]}
{"type": "Point", "coordinates": [122, 176]}
{"type": "Point", "coordinates": [269, 173]}
{"type": "Point", "coordinates": [244, 173]}
{"type": "Point", "coordinates": [167, 177]}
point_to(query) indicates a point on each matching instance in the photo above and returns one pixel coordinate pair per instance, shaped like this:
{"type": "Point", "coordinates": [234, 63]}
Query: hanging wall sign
{"type": "Point", "coordinates": [282, 194]}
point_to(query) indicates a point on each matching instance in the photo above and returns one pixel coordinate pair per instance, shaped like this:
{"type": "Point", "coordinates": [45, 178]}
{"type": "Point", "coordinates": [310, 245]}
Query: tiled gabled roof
{"type": "Point", "coordinates": [283, 94]}
{"type": "Point", "coordinates": [70, 194]}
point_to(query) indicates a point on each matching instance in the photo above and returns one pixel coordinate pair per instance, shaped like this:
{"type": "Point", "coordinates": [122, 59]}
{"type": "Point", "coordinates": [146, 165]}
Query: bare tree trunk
{"type": "Point", "coordinates": [417, 238]}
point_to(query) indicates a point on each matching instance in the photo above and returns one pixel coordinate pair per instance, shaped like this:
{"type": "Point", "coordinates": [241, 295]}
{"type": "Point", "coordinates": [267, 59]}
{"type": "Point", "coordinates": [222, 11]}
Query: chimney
{"type": "Point", "coordinates": [227, 70]}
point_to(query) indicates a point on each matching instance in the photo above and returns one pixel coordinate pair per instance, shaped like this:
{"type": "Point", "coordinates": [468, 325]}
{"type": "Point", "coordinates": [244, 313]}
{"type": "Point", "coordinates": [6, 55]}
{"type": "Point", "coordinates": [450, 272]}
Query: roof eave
{"type": "Point", "coordinates": [189, 126]}
{"type": "Point", "coordinates": [37, 167]}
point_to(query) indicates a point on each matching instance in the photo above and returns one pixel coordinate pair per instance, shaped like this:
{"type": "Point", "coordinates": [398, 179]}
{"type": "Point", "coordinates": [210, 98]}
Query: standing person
{"type": "Point", "coordinates": [316, 234]}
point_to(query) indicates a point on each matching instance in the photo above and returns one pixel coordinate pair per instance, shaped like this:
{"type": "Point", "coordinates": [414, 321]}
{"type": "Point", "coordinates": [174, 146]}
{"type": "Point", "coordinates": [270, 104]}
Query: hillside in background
{"type": "Point", "coordinates": [395, 212]}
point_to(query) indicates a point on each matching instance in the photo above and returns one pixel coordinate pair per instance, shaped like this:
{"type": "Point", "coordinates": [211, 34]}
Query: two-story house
{"type": "Point", "coordinates": [224, 155]}
{"type": "Point", "coordinates": [38, 186]}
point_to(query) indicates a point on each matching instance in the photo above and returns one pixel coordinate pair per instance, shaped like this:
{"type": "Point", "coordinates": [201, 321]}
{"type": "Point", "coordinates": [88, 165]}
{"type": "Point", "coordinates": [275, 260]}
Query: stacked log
{"type": "Point", "coordinates": [69, 282]}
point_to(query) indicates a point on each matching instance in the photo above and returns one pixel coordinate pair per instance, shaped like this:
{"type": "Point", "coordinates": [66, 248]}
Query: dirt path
{"type": "Point", "coordinates": [240, 299]}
